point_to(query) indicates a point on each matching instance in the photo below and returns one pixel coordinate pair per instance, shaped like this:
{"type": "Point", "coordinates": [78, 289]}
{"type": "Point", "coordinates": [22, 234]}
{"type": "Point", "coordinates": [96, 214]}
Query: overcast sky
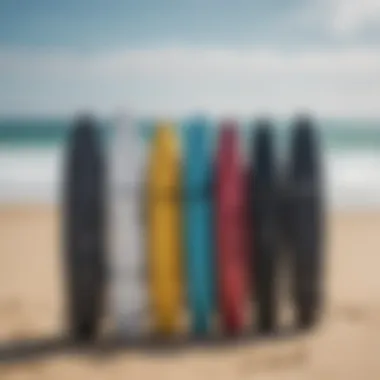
{"type": "Point", "coordinates": [175, 57]}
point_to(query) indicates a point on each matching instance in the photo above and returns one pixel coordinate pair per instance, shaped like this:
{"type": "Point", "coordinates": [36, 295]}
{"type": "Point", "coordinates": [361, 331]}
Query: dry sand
{"type": "Point", "coordinates": [346, 345]}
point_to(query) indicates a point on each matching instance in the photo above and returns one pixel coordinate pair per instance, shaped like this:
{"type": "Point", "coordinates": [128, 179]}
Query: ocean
{"type": "Point", "coordinates": [32, 151]}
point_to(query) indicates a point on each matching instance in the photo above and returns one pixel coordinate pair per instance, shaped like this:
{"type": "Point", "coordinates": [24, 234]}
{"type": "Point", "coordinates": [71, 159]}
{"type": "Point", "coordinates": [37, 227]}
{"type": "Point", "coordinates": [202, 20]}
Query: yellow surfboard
{"type": "Point", "coordinates": [164, 230]}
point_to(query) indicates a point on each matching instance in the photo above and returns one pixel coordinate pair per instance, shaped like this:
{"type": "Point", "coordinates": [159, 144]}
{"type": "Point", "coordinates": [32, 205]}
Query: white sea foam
{"type": "Point", "coordinates": [34, 174]}
{"type": "Point", "coordinates": [353, 179]}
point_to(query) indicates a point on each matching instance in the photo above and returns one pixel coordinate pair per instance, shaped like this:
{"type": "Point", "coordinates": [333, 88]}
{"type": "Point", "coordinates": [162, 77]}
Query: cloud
{"type": "Point", "coordinates": [345, 18]}
{"type": "Point", "coordinates": [352, 15]}
{"type": "Point", "coordinates": [173, 81]}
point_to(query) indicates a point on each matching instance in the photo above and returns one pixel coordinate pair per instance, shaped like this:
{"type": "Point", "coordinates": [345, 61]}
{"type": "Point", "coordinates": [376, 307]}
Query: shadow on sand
{"type": "Point", "coordinates": [36, 349]}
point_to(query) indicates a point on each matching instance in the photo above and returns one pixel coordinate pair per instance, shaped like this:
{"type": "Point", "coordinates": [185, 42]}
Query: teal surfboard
{"type": "Point", "coordinates": [197, 181]}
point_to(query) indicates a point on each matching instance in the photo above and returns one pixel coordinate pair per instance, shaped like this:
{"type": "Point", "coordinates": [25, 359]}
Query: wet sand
{"type": "Point", "coordinates": [345, 346]}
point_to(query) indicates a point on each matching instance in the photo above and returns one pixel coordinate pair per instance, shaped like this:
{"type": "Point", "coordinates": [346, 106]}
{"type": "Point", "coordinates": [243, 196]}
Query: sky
{"type": "Point", "coordinates": [177, 57]}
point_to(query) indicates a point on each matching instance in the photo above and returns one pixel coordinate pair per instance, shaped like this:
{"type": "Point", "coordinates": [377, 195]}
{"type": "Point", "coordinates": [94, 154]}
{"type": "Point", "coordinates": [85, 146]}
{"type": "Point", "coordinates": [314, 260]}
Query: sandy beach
{"type": "Point", "coordinates": [345, 346]}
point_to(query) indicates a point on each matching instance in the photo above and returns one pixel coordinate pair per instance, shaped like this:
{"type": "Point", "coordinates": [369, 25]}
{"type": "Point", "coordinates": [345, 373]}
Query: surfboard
{"type": "Point", "coordinates": [164, 230]}
{"type": "Point", "coordinates": [197, 181]}
{"type": "Point", "coordinates": [230, 228]}
{"type": "Point", "coordinates": [264, 225]}
{"type": "Point", "coordinates": [307, 222]}
{"type": "Point", "coordinates": [128, 288]}
{"type": "Point", "coordinates": [84, 232]}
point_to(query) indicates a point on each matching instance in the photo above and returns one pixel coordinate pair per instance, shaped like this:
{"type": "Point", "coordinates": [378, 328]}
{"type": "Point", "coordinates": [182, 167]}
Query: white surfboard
{"type": "Point", "coordinates": [128, 298]}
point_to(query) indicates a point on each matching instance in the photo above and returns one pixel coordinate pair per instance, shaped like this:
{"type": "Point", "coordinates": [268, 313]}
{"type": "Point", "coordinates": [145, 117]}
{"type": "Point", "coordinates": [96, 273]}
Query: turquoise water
{"type": "Point", "coordinates": [336, 133]}
{"type": "Point", "coordinates": [45, 132]}
{"type": "Point", "coordinates": [31, 157]}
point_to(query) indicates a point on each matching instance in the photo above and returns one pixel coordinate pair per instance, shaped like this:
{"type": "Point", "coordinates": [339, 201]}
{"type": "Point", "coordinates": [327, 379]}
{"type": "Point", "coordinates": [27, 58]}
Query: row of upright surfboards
{"type": "Point", "coordinates": [193, 229]}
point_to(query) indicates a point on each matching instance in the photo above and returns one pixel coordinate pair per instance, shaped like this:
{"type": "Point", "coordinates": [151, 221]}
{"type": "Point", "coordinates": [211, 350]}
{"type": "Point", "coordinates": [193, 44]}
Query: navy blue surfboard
{"type": "Point", "coordinates": [307, 221]}
{"type": "Point", "coordinates": [84, 232]}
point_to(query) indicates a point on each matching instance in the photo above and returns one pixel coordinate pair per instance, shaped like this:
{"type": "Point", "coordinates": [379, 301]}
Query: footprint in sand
{"type": "Point", "coordinates": [274, 359]}
{"type": "Point", "coordinates": [352, 313]}
{"type": "Point", "coordinates": [10, 307]}
{"type": "Point", "coordinates": [16, 322]}
{"type": "Point", "coordinates": [359, 314]}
